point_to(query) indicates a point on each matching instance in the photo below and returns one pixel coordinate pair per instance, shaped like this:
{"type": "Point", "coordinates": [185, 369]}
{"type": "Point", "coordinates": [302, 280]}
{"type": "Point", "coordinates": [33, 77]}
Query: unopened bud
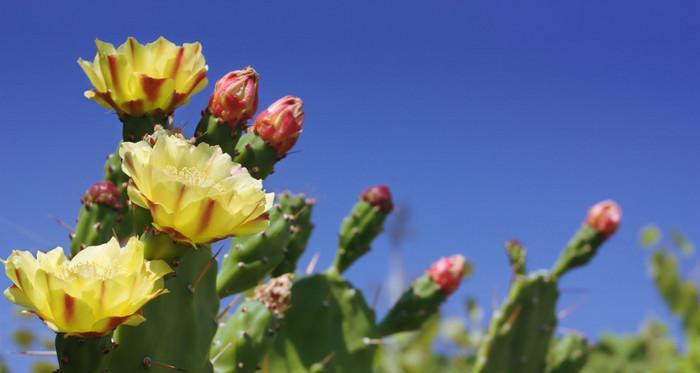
{"type": "Point", "coordinates": [604, 217]}
{"type": "Point", "coordinates": [235, 98]}
{"type": "Point", "coordinates": [448, 272]}
{"type": "Point", "coordinates": [280, 124]}
{"type": "Point", "coordinates": [103, 193]}
{"type": "Point", "coordinates": [379, 196]}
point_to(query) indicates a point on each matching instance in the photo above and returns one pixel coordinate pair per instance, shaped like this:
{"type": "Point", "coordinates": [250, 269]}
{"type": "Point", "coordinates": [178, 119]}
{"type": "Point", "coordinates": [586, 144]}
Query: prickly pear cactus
{"type": "Point", "coordinates": [251, 258]}
{"type": "Point", "coordinates": [298, 208]}
{"type": "Point", "coordinates": [327, 328]}
{"type": "Point", "coordinates": [179, 325]}
{"type": "Point", "coordinates": [568, 354]}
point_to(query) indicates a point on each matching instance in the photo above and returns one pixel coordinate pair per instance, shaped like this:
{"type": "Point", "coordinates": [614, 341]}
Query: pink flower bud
{"type": "Point", "coordinates": [379, 196]}
{"type": "Point", "coordinates": [280, 124]}
{"type": "Point", "coordinates": [604, 217]}
{"type": "Point", "coordinates": [103, 193]}
{"type": "Point", "coordinates": [235, 98]}
{"type": "Point", "coordinates": [448, 272]}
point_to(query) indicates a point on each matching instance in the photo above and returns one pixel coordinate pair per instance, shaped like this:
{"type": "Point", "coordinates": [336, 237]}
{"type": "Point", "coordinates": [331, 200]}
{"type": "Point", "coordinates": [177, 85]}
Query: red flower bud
{"type": "Point", "coordinates": [604, 217]}
{"type": "Point", "coordinates": [280, 124]}
{"type": "Point", "coordinates": [103, 193]}
{"type": "Point", "coordinates": [448, 272]}
{"type": "Point", "coordinates": [235, 98]}
{"type": "Point", "coordinates": [379, 196]}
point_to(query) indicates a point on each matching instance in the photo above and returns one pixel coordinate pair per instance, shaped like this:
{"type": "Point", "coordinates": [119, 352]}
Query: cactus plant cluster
{"type": "Point", "coordinates": [146, 288]}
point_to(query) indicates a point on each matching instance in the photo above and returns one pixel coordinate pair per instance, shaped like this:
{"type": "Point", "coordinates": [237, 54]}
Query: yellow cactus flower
{"type": "Point", "coordinates": [195, 194]}
{"type": "Point", "coordinates": [99, 289]}
{"type": "Point", "coordinates": [152, 79]}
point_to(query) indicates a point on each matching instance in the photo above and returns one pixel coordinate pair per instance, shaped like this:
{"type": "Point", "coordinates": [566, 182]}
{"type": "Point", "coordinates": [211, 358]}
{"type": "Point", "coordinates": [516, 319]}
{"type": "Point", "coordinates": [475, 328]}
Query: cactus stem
{"type": "Point", "coordinates": [513, 317]}
{"type": "Point", "coordinates": [228, 307]}
{"type": "Point", "coordinates": [312, 263]}
{"type": "Point", "coordinates": [191, 287]}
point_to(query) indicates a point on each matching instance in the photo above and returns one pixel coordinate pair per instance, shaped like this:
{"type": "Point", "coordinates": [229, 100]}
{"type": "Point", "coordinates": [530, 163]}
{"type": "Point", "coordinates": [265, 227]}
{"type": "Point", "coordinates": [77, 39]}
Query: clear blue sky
{"type": "Point", "coordinates": [492, 119]}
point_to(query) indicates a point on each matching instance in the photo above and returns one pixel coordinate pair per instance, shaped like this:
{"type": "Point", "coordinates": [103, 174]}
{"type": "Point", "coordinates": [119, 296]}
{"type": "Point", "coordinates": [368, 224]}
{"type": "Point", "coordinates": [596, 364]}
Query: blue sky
{"type": "Point", "coordinates": [491, 119]}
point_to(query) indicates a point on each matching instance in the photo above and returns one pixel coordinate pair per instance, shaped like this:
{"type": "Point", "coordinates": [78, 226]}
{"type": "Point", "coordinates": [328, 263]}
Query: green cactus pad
{"type": "Point", "coordinates": [213, 131]}
{"type": "Point", "coordinates": [242, 342]}
{"type": "Point", "coordinates": [325, 329]}
{"type": "Point", "coordinates": [253, 257]}
{"type": "Point", "coordinates": [255, 155]}
{"type": "Point", "coordinates": [580, 250]}
{"type": "Point", "coordinates": [83, 354]}
{"type": "Point", "coordinates": [357, 232]}
{"type": "Point", "coordinates": [567, 354]}
{"type": "Point", "coordinates": [519, 334]}
{"type": "Point", "coordinates": [299, 208]}
{"type": "Point", "coordinates": [179, 325]}
{"type": "Point", "coordinates": [420, 302]}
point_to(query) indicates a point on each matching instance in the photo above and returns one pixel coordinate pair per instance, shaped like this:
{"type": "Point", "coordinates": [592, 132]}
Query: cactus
{"type": "Point", "coordinates": [80, 355]}
{"type": "Point", "coordinates": [184, 318]}
{"type": "Point", "coordinates": [299, 208]}
{"type": "Point", "coordinates": [251, 258]}
{"type": "Point", "coordinates": [363, 224]}
{"type": "Point", "coordinates": [325, 328]}
{"type": "Point", "coordinates": [153, 305]}
{"type": "Point", "coordinates": [243, 341]}
{"type": "Point", "coordinates": [567, 354]}
{"type": "Point", "coordinates": [520, 332]}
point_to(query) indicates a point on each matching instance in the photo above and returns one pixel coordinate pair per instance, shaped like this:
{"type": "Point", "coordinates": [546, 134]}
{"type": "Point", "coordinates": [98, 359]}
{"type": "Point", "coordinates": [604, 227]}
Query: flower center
{"type": "Point", "coordinates": [87, 270]}
{"type": "Point", "coordinates": [192, 177]}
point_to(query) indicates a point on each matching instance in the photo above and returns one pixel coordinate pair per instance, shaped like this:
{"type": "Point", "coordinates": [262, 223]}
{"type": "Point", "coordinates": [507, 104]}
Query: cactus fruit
{"type": "Point", "coordinates": [567, 354]}
{"type": "Point", "coordinates": [243, 341]}
{"type": "Point", "coordinates": [256, 155]}
{"type": "Point", "coordinates": [299, 209]}
{"type": "Point", "coordinates": [363, 224]}
{"type": "Point", "coordinates": [251, 258]}
{"type": "Point", "coordinates": [424, 297]}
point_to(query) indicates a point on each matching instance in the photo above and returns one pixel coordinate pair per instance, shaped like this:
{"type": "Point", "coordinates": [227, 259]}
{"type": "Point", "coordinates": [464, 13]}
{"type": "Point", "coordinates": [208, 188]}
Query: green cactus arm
{"type": "Point", "coordinates": [253, 257]}
{"type": "Point", "coordinates": [180, 325]}
{"type": "Point", "coordinates": [419, 303]}
{"type": "Point", "coordinates": [579, 251]}
{"type": "Point", "coordinates": [96, 225]}
{"type": "Point", "coordinates": [567, 354]}
{"type": "Point", "coordinates": [298, 208]}
{"type": "Point", "coordinates": [214, 131]}
{"type": "Point", "coordinates": [519, 335]}
{"type": "Point", "coordinates": [357, 232]}
{"type": "Point", "coordinates": [83, 354]}
{"type": "Point", "coordinates": [242, 341]}
{"type": "Point", "coordinates": [680, 295]}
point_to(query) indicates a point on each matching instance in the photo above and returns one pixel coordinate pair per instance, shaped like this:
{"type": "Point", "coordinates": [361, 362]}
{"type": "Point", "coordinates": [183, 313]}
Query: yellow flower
{"type": "Point", "coordinates": [195, 194]}
{"type": "Point", "coordinates": [151, 79]}
{"type": "Point", "coordinates": [99, 289]}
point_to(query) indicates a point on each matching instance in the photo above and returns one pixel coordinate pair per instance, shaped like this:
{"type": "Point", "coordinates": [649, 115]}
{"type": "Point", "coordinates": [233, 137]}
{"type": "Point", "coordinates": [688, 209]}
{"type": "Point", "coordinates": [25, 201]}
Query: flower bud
{"type": "Point", "coordinates": [280, 124]}
{"type": "Point", "coordinates": [235, 98]}
{"type": "Point", "coordinates": [103, 193]}
{"type": "Point", "coordinates": [380, 197]}
{"type": "Point", "coordinates": [604, 217]}
{"type": "Point", "coordinates": [447, 273]}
